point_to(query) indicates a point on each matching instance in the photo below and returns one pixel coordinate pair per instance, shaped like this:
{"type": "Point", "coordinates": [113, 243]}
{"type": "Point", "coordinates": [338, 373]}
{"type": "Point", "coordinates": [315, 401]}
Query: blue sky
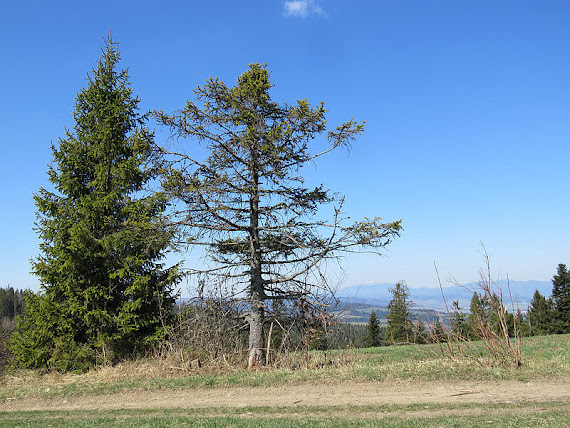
{"type": "Point", "coordinates": [467, 106]}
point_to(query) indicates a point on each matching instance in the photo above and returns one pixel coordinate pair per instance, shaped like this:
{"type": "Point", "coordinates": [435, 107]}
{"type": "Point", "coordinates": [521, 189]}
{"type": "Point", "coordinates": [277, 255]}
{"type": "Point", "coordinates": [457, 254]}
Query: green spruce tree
{"type": "Point", "coordinates": [459, 322]}
{"type": "Point", "coordinates": [105, 294]}
{"type": "Point", "coordinates": [476, 317]}
{"type": "Point", "coordinates": [374, 336]}
{"type": "Point", "coordinates": [541, 315]}
{"type": "Point", "coordinates": [400, 327]}
{"type": "Point", "coordinates": [561, 299]}
{"type": "Point", "coordinates": [484, 316]}
{"type": "Point", "coordinates": [11, 303]}
{"type": "Point", "coordinates": [522, 324]}
{"type": "Point", "coordinates": [420, 332]}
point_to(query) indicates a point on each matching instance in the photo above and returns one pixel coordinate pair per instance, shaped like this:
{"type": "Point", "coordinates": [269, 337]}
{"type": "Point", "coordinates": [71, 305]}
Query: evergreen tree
{"type": "Point", "coordinates": [246, 202]}
{"type": "Point", "coordinates": [510, 323]}
{"type": "Point", "coordinates": [476, 316]}
{"type": "Point", "coordinates": [11, 303]}
{"type": "Point", "coordinates": [484, 315]}
{"type": "Point", "coordinates": [561, 299]}
{"type": "Point", "coordinates": [400, 327]}
{"type": "Point", "coordinates": [349, 335]}
{"type": "Point", "coordinates": [541, 315]}
{"type": "Point", "coordinates": [460, 327]}
{"type": "Point", "coordinates": [104, 293]}
{"type": "Point", "coordinates": [420, 332]}
{"type": "Point", "coordinates": [522, 324]}
{"type": "Point", "coordinates": [374, 336]}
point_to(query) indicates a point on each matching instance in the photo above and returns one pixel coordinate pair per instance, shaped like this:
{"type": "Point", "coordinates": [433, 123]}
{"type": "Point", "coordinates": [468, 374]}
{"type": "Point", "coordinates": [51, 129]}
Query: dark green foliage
{"type": "Point", "coordinates": [541, 315]}
{"type": "Point", "coordinates": [476, 316]}
{"type": "Point", "coordinates": [552, 315]}
{"type": "Point", "coordinates": [46, 337]}
{"type": "Point", "coordinates": [348, 335]}
{"type": "Point", "coordinates": [5, 355]}
{"type": "Point", "coordinates": [374, 336]}
{"type": "Point", "coordinates": [510, 322]}
{"type": "Point", "coordinates": [488, 315]}
{"type": "Point", "coordinates": [400, 328]}
{"type": "Point", "coordinates": [104, 294]}
{"type": "Point", "coordinates": [561, 299]}
{"type": "Point", "coordinates": [483, 314]}
{"type": "Point", "coordinates": [522, 324]}
{"type": "Point", "coordinates": [459, 322]}
{"type": "Point", "coordinates": [11, 303]}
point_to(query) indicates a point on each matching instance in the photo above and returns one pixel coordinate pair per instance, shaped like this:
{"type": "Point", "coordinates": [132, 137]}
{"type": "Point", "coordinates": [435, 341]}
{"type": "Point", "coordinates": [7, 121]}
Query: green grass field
{"type": "Point", "coordinates": [544, 359]}
{"type": "Point", "coordinates": [504, 415]}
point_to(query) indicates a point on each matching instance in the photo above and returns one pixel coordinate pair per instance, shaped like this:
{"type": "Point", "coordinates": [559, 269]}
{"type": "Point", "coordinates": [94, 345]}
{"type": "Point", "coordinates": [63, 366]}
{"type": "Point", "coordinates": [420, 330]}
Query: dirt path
{"type": "Point", "coordinates": [311, 394]}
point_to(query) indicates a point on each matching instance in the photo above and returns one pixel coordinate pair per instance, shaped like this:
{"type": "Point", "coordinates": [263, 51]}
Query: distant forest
{"type": "Point", "coordinates": [11, 305]}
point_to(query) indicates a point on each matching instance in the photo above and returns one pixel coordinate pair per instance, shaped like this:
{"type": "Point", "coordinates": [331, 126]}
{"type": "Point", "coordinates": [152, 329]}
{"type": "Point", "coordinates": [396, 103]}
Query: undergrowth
{"type": "Point", "coordinates": [547, 356]}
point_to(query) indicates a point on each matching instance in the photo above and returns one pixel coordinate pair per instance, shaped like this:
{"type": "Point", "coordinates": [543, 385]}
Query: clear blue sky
{"type": "Point", "coordinates": [467, 106]}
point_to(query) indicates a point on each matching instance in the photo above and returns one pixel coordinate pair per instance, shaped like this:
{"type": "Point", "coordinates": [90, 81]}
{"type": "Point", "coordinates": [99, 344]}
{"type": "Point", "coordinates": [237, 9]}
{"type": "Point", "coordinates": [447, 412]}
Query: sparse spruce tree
{"type": "Point", "coordinates": [420, 332]}
{"type": "Point", "coordinates": [400, 327]}
{"type": "Point", "coordinates": [541, 315]}
{"type": "Point", "coordinates": [459, 322]}
{"type": "Point", "coordinates": [374, 336]}
{"type": "Point", "coordinates": [476, 317]}
{"type": "Point", "coordinates": [484, 315]}
{"type": "Point", "coordinates": [522, 324]}
{"type": "Point", "coordinates": [246, 203]}
{"type": "Point", "coordinates": [561, 299]}
{"type": "Point", "coordinates": [104, 294]}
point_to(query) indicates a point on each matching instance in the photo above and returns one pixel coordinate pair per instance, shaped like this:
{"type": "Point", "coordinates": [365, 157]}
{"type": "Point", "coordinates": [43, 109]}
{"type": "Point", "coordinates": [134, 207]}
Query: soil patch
{"type": "Point", "coordinates": [310, 394]}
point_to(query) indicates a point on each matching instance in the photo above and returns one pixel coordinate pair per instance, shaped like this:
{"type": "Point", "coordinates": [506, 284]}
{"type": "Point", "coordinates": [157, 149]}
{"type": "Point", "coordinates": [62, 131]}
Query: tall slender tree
{"type": "Point", "coordinates": [400, 327]}
{"type": "Point", "coordinates": [478, 316]}
{"type": "Point", "coordinates": [374, 336]}
{"type": "Point", "coordinates": [541, 315]}
{"type": "Point", "coordinates": [561, 299]}
{"type": "Point", "coordinates": [246, 202]}
{"type": "Point", "coordinates": [459, 321]}
{"type": "Point", "coordinates": [104, 292]}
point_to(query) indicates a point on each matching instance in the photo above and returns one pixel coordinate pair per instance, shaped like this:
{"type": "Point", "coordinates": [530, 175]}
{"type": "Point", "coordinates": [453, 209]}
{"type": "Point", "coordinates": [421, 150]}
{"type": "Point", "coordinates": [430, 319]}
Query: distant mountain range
{"type": "Point", "coordinates": [431, 298]}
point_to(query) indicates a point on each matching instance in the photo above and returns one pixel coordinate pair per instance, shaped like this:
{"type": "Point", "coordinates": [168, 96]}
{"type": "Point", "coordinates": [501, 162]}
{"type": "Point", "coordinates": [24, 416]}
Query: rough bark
{"type": "Point", "coordinates": [256, 292]}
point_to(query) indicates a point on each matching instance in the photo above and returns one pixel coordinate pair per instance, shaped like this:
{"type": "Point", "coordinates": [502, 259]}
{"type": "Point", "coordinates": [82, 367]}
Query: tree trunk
{"type": "Point", "coordinates": [256, 321]}
{"type": "Point", "coordinates": [256, 289]}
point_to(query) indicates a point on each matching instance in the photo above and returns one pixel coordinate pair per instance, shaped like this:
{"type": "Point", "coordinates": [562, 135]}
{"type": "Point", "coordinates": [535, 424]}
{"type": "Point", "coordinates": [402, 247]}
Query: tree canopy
{"type": "Point", "coordinates": [374, 336]}
{"type": "Point", "coordinates": [561, 298]}
{"type": "Point", "coordinates": [400, 327]}
{"type": "Point", "coordinates": [246, 202]}
{"type": "Point", "coordinates": [104, 293]}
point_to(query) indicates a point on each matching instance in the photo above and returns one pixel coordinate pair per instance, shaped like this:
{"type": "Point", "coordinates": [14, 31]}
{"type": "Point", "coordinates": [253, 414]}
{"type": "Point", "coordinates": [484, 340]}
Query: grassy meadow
{"type": "Point", "coordinates": [504, 415]}
{"type": "Point", "coordinates": [544, 358]}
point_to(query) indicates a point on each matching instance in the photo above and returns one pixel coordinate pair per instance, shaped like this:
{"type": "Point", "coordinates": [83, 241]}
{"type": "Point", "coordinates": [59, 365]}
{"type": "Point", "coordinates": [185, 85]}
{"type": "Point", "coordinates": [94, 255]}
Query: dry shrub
{"type": "Point", "coordinates": [295, 332]}
{"type": "Point", "coordinates": [6, 327]}
{"type": "Point", "coordinates": [213, 332]}
{"type": "Point", "coordinates": [489, 327]}
{"type": "Point", "coordinates": [5, 355]}
{"type": "Point", "coordinates": [208, 331]}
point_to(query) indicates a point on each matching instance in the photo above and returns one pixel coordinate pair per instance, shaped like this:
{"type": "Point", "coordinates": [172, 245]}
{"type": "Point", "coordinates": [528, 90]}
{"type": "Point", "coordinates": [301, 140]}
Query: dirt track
{"type": "Point", "coordinates": [312, 394]}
